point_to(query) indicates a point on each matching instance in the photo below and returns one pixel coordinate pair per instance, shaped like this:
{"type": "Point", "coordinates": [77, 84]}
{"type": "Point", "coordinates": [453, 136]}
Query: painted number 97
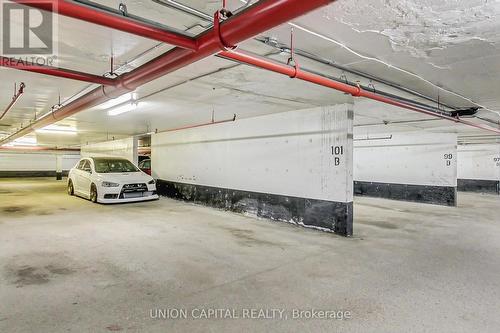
{"type": "Point", "coordinates": [497, 161]}
{"type": "Point", "coordinates": [448, 158]}
{"type": "Point", "coordinates": [337, 151]}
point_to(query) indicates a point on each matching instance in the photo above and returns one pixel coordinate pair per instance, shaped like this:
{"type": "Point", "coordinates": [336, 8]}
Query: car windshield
{"type": "Point", "coordinates": [110, 165]}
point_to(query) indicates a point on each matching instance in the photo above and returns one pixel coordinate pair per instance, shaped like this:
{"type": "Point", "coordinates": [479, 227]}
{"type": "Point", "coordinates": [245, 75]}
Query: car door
{"type": "Point", "coordinates": [85, 178]}
{"type": "Point", "coordinates": [75, 175]}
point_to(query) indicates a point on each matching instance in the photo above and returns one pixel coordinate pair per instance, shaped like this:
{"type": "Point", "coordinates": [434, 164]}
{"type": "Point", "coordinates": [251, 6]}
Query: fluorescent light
{"type": "Point", "coordinates": [123, 109]}
{"type": "Point", "coordinates": [57, 129]}
{"type": "Point", "coordinates": [29, 141]}
{"type": "Point", "coordinates": [56, 132]}
{"type": "Point", "coordinates": [119, 100]}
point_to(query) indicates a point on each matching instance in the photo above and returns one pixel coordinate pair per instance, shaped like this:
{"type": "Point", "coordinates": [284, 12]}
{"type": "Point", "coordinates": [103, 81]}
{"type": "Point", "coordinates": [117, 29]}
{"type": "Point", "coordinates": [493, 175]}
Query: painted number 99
{"type": "Point", "coordinates": [448, 158]}
{"type": "Point", "coordinates": [497, 161]}
{"type": "Point", "coordinates": [337, 151]}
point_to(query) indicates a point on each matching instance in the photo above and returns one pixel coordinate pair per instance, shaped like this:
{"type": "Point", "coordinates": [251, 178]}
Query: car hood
{"type": "Point", "coordinates": [125, 178]}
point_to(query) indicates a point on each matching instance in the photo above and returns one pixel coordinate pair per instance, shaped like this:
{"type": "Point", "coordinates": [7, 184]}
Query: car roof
{"type": "Point", "coordinates": [108, 158]}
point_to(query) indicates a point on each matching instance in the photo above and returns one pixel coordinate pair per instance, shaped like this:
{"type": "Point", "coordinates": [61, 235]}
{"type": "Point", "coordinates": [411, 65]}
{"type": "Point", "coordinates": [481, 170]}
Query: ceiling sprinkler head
{"type": "Point", "coordinates": [465, 112]}
{"type": "Point", "coordinates": [272, 41]}
{"type": "Point", "coordinates": [123, 9]}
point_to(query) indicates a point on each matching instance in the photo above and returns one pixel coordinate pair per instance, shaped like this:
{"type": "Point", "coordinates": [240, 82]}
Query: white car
{"type": "Point", "coordinates": [110, 180]}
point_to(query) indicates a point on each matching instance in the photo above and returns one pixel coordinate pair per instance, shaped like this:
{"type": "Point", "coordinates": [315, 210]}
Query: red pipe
{"type": "Point", "coordinates": [199, 125]}
{"type": "Point", "coordinates": [15, 98]}
{"type": "Point", "coordinates": [36, 148]}
{"type": "Point", "coordinates": [295, 72]}
{"type": "Point", "coordinates": [53, 71]}
{"type": "Point", "coordinates": [113, 21]}
{"type": "Point", "coordinates": [256, 19]}
{"type": "Point", "coordinates": [260, 17]}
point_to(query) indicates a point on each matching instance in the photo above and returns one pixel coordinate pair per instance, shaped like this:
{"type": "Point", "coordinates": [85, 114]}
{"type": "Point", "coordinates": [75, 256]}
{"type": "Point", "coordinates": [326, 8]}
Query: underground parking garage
{"type": "Point", "coordinates": [271, 166]}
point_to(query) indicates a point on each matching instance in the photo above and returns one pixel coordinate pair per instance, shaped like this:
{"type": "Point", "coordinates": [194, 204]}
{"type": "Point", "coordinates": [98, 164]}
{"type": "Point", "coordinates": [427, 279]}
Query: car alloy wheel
{"type": "Point", "coordinates": [71, 190]}
{"type": "Point", "coordinates": [93, 194]}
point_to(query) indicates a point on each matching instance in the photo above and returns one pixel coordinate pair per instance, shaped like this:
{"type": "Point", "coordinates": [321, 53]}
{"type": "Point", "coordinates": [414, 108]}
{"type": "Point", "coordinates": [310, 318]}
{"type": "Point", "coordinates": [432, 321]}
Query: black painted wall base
{"type": "Point", "coordinates": [334, 216]}
{"type": "Point", "coordinates": [29, 174]}
{"type": "Point", "coordinates": [438, 195]}
{"type": "Point", "coordinates": [479, 185]}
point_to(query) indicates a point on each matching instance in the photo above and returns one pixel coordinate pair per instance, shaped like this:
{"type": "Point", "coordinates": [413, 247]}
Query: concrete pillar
{"type": "Point", "coordinates": [479, 168]}
{"type": "Point", "coordinates": [135, 150]}
{"type": "Point", "coordinates": [292, 166]}
{"type": "Point", "coordinates": [59, 164]}
{"type": "Point", "coordinates": [410, 166]}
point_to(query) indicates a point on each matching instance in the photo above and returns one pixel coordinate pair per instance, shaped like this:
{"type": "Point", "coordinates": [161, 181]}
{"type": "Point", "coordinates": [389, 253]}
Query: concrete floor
{"type": "Point", "coordinates": [69, 265]}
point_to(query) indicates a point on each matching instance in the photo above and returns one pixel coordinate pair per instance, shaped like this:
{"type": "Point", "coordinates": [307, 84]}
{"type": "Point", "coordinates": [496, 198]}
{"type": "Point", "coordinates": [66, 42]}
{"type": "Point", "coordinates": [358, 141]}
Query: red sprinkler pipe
{"type": "Point", "coordinates": [37, 148]}
{"type": "Point", "coordinates": [15, 98]}
{"type": "Point", "coordinates": [199, 125]}
{"type": "Point", "coordinates": [113, 21]}
{"type": "Point", "coordinates": [254, 20]}
{"type": "Point", "coordinates": [295, 72]}
{"type": "Point", "coordinates": [53, 71]}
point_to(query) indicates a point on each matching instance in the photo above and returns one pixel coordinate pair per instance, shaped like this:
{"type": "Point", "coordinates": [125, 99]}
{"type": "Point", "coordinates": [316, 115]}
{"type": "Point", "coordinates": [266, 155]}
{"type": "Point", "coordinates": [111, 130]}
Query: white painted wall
{"type": "Point", "coordinates": [287, 153]}
{"type": "Point", "coordinates": [479, 162]}
{"type": "Point", "coordinates": [406, 158]}
{"type": "Point", "coordinates": [126, 148]}
{"type": "Point", "coordinates": [35, 161]}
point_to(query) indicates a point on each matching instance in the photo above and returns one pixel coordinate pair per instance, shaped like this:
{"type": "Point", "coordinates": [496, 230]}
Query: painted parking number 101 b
{"type": "Point", "coordinates": [337, 151]}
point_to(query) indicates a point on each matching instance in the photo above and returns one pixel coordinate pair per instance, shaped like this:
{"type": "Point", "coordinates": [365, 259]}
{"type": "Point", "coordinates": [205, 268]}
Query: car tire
{"type": "Point", "coordinates": [71, 189]}
{"type": "Point", "coordinates": [93, 193]}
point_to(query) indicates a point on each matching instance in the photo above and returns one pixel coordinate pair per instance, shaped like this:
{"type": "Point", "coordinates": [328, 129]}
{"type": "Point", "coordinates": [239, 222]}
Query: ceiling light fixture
{"type": "Point", "coordinates": [58, 129]}
{"type": "Point", "coordinates": [29, 141]}
{"type": "Point", "coordinates": [123, 109]}
{"type": "Point", "coordinates": [119, 100]}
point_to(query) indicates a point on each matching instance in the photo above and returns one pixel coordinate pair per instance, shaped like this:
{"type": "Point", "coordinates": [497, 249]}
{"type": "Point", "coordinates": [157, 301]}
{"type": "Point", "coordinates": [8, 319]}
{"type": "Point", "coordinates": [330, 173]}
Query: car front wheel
{"type": "Point", "coordinates": [93, 193]}
{"type": "Point", "coordinates": [71, 190]}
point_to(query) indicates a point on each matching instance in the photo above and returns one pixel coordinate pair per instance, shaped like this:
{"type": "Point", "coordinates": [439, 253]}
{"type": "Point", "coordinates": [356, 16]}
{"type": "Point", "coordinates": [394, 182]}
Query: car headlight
{"type": "Point", "coordinates": [151, 182]}
{"type": "Point", "coordinates": [109, 184]}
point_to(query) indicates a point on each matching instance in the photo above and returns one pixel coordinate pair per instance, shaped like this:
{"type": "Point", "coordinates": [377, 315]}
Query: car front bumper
{"type": "Point", "coordinates": [122, 194]}
{"type": "Point", "coordinates": [124, 200]}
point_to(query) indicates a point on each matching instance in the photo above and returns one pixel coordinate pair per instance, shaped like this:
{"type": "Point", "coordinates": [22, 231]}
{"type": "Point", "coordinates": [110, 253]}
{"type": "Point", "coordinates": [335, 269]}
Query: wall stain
{"type": "Point", "coordinates": [331, 215]}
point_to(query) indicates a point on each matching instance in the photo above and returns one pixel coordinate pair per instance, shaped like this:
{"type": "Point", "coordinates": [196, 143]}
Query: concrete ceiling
{"type": "Point", "coordinates": [447, 50]}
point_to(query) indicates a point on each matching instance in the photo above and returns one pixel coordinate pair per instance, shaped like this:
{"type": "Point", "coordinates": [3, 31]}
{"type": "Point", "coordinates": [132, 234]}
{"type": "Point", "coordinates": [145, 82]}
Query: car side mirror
{"type": "Point", "coordinates": [88, 170]}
